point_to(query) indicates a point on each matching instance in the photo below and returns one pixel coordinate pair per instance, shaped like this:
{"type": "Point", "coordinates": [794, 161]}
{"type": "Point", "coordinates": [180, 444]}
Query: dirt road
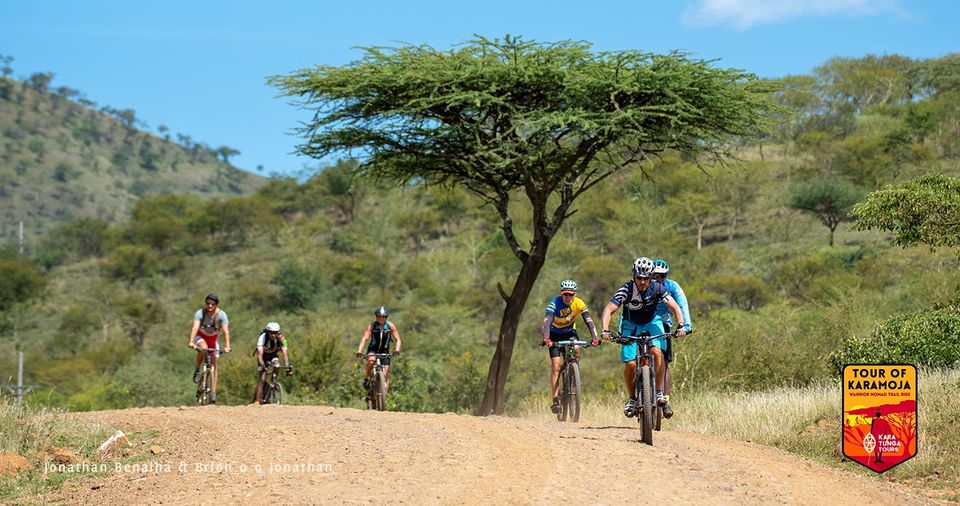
{"type": "Point", "coordinates": [310, 454]}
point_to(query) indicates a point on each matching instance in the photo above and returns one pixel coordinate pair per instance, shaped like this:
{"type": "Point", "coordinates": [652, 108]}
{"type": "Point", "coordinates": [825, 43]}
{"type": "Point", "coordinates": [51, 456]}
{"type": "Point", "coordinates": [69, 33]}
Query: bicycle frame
{"type": "Point", "coordinates": [205, 383]}
{"type": "Point", "coordinates": [568, 381]}
{"type": "Point", "coordinates": [377, 399]}
{"type": "Point", "coordinates": [645, 381]}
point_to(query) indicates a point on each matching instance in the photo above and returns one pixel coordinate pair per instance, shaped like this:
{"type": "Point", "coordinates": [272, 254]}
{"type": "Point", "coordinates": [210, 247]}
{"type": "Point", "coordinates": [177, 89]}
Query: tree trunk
{"type": "Point", "coordinates": [493, 400]}
{"type": "Point", "coordinates": [700, 235]}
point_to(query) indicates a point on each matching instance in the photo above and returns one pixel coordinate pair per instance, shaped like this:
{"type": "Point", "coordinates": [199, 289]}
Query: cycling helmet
{"type": "Point", "coordinates": [642, 267]}
{"type": "Point", "coordinates": [568, 285]}
{"type": "Point", "coordinates": [212, 296]}
{"type": "Point", "coordinates": [381, 311]}
{"type": "Point", "coordinates": [273, 327]}
{"type": "Point", "coordinates": [660, 266]}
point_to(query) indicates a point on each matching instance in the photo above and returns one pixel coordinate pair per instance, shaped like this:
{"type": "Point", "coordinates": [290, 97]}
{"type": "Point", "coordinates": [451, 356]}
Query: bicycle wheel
{"type": "Point", "coordinates": [573, 397]}
{"type": "Point", "coordinates": [380, 397]}
{"type": "Point", "coordinates": [276, 394]}
{"type": "Point", "coordinates": [564, 395]}
{"type": "Point", "coordinates": [645, 389]}
{"type": "Point", "coordinates": [203, 388]}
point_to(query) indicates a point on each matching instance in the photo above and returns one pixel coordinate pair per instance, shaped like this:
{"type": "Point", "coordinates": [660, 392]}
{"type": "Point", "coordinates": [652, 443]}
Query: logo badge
{"type": "Point", "coordinates": [879, 414]}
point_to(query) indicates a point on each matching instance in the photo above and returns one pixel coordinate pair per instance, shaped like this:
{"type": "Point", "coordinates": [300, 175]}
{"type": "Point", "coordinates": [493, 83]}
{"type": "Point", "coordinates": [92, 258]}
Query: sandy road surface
{"type": "Point", "coordinates": [310, 454]}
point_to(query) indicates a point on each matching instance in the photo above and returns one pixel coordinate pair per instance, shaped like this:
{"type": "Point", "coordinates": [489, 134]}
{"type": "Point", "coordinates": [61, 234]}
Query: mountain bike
{"type": "Point", "coordinates": [569, 380]}
{"type": "Point", "coordinates": [377, 386]}
{"type": "Point", "coordinates": [272, 389]}
{"type": "Point", "coordinates": [650, 414]}
{"type": "Point", "coordinates": [205, 383]}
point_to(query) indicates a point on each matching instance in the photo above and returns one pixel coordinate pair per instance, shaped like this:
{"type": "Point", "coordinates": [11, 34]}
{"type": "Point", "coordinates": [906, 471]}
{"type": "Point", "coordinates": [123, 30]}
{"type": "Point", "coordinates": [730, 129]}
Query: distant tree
{"type": "Point", "coordinates": [20, 281]}
{"type": "Point", "coordinates": [830, 200]}
{"type": "Point", "coordinates": [799, 101]}
{"type": "Point", "coordinates": [40, 81]}
{"type": "Point", "coordinates": [5, 68]}
{"type": "Point", "coordinates": [164, 131]}
{"type": "Point", "coordinates": [925, 210]}
{"type": "Point", "coordinates": [225, 152]}
{"type": "Point", "coordinates": [508, 117]}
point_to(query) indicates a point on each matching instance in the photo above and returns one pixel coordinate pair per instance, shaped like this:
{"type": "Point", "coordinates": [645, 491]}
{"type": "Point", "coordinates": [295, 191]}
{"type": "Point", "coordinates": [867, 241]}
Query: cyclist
{"type": "Point", "coordinates": [640, 298]}
{"type": "Point", "coordinates": [208, 323]}
{"type": "Point", "coordinates": [382, 331]}
{"type": "Point", "coordinates": [269, 344]}
{"type": "Point", "coordinates": [660, 270]}
{"type": "Point", "coordinates": [558, 325]}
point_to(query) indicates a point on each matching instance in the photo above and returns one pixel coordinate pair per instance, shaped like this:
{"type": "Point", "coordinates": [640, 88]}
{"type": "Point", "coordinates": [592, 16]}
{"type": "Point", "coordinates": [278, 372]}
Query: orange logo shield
{"type": "Point", "coordinates": [879, 414]}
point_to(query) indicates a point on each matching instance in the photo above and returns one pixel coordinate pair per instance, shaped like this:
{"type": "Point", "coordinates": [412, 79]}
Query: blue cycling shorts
{"type": "Point", "coordinates": [628, 352]}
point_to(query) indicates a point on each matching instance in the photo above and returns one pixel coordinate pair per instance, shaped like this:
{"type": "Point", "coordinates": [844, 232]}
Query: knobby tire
{"type": "Point", "coordinates": [380, 399]}
{"type": "Point", "coordinates": [276, 394]}
{"type": "Point", "coordinates": [573, 399]}
{"type": "Point", "coordinates": [647, 404]}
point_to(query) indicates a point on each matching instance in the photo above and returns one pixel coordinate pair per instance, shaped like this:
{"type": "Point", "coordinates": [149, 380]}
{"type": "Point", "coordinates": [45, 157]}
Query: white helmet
{"type": "Point", "coordinates": [568, 285]}
{"type": "Point", "coordinates": [273, 327]}
{"type": "Point", "coordinates": [642, 267]}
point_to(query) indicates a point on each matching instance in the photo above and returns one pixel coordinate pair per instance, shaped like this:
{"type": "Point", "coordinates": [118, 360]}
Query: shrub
{"type": "Point", "coordinates": [924, 338]}
{"type": "Point", "coordinates": [19, 282]}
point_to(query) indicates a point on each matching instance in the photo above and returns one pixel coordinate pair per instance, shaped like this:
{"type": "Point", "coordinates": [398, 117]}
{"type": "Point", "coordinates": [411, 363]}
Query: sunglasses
{"type": "Point", "coordinates": [567, 294]}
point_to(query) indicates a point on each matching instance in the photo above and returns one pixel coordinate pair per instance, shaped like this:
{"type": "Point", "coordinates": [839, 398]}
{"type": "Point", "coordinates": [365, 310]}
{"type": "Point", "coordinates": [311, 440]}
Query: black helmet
{"type": "Point", "coordinates": [212, 296]}
{"type": "Point", "coordinates": [381, 311]}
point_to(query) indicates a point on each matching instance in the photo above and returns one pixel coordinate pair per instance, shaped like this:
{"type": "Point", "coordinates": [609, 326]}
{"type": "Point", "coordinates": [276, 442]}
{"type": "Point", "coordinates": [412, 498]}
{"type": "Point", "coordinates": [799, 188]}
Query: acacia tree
{"type": "Point", "coordinates": [925, 210]}
{"type": "Point", "coordinates": [513, 118]}
{"type": "Point", "coordinates": [830, 200]}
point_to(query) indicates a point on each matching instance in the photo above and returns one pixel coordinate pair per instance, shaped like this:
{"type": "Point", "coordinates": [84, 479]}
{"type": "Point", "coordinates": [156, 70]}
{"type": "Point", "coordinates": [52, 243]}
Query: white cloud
{"type": "Point", "coordinates": [743, 14]}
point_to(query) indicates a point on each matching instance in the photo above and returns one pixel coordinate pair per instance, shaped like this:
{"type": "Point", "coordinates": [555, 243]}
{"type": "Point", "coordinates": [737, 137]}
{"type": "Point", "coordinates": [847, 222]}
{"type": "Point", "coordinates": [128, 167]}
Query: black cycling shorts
{"type": "Point", "coordinates": [383, 360]}
{"type": "Point", "coordinates": [556, 336]}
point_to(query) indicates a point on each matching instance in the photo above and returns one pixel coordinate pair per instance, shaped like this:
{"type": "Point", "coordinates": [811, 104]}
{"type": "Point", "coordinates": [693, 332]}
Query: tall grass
{"type": "Point", "coordinates": [805, 421]}
{"type": "Point", "coordinates": [32, 433]}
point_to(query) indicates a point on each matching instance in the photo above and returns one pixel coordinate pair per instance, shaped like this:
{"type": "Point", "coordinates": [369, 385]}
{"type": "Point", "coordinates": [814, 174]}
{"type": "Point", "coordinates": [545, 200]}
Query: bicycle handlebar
{"type": "Point", "coordinates": [636, 339]}
{"type": "Point", "coordinates": [573, 342]}
{"type": "Point", "coordinates": [208, 350]}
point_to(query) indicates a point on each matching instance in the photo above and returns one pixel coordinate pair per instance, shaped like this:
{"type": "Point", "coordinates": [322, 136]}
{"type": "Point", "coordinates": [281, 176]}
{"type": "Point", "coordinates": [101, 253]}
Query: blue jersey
{"type": "Point", "coordinates": [638, 307]}
{"type": "Point", "coordinates": [677, 293]}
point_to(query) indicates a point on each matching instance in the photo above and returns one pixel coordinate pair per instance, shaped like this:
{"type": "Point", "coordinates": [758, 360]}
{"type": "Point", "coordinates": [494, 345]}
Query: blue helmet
{"type": "Point", "coordinates": [660, 266]}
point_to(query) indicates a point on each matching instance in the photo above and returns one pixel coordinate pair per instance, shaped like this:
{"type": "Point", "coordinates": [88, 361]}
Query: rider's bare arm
{"type": "Point", "coordinates": [193, 333]}
{"type": "Point", "coordinates": [608, 311]}
{"type": "Point", "coordinates": [396, 336]}
{"type": "Point", "coordinates": [286, 359]}
{"type": "Point", "coordinates": [226, 337]}
{"type": "Point", "coordinates": [366, 336]}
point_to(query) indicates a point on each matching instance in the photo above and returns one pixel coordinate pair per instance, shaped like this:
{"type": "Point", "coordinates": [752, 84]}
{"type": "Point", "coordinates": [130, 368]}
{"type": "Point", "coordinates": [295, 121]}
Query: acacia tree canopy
{"type": "Point", "coordinates": [925, 210]}
{"type": "Point", "coordinates": [505, 116]}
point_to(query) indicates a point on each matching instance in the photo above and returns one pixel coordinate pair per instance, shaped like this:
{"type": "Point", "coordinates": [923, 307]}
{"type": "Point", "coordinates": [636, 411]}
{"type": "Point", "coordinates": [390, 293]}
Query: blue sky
{"type": "Point", "coordinates": [199, 67]}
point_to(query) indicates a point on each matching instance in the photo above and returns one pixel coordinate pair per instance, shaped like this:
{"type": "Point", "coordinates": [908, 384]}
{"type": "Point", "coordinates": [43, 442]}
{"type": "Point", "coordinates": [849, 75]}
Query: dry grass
{"type": "Point", "coordinates": [806, 421]}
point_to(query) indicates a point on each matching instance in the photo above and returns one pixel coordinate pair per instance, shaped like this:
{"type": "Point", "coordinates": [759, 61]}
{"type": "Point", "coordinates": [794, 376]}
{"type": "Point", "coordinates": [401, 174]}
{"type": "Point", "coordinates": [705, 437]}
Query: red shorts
{"type": "Point", "coordinates": [210, 340]}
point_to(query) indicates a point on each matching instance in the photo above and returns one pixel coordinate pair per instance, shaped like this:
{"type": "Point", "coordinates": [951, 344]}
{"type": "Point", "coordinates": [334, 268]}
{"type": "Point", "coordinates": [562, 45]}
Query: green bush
{"type": "Point", "coordinates": [132, 262]}
{"type": "Point", "coordinates": [19, 281]}
{"type": "Point", "coordinates": [928, 338]}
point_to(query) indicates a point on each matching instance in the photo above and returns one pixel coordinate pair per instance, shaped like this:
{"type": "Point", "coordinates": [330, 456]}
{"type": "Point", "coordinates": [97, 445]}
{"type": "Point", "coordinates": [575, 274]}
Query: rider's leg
{"type": "Point", "coordinates": [258, 394]}
{"type": "Point", "coordinates": [555, 363]}
{"type": "Point", "coordinates": [630, 378]}
{"type": "Point", "coordinates": [386, 377]}
{"type": "Point", "coordinates": [658, 362]}
{"type": "Point", "coordinates": [369, 366]}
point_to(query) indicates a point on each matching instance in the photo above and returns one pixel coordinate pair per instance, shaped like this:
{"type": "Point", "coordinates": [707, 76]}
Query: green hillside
{"type": "Point", "coordinates": [62, 158]}
{"type": "Point", "coordinates": [103, 312]}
